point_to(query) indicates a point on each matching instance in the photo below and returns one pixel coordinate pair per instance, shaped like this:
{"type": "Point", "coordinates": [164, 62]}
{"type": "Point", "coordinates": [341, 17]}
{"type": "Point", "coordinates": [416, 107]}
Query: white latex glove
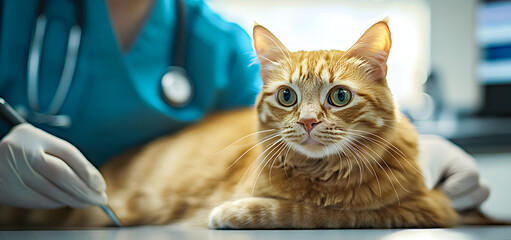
{"type": "Point", "coordinates": [38, 170]}
{"type": "Point", "coordinates": [448, 167]}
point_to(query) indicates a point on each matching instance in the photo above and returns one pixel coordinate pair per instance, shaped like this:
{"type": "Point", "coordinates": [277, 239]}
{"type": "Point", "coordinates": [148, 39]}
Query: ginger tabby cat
{"type": "Point", "coordinates": [325, 147]}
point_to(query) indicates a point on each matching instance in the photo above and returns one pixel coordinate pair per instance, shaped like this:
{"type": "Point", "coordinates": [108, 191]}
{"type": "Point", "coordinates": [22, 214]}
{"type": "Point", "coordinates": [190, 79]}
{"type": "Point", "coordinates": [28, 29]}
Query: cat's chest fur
{"type": "Point", "coordinates": [350, 184]}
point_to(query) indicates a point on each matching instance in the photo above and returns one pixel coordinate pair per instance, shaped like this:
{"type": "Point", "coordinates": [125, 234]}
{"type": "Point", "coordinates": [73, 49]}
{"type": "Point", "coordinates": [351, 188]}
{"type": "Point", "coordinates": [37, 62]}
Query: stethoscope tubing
{"type": "Point", "coordinates": [34, 112]}
{"type": "Point", "coordinates": [34, 63]}
{"type": "Point", "coordinates": [180, 33]}
{"type": "Point", "coordinates": [50, 115]}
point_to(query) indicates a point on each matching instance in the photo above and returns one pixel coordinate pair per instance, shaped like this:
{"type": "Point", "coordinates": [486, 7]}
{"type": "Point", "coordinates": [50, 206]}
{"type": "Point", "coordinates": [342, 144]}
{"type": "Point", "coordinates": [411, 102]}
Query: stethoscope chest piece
{"type": "Point", "coordinates": [176, 87]}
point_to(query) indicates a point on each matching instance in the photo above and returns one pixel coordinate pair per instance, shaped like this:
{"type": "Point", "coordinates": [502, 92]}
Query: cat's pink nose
{"type": "Point", "coordinates": [308, 123]}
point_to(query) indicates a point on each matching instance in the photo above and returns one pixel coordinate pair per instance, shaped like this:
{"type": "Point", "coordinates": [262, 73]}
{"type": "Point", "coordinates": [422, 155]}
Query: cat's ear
{"type": "Point", "coordinates": [269, 49]}
{"type": "Point", "coordinates": [374, 47]}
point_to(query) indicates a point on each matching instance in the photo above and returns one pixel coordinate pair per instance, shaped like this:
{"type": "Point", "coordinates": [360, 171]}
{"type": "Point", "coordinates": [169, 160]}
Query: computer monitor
{"type": "Point", "coordinates": [494, 38]}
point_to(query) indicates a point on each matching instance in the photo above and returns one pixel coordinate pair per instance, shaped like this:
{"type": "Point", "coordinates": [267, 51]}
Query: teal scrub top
{"type": "Point", "coordinates": [115, 100]}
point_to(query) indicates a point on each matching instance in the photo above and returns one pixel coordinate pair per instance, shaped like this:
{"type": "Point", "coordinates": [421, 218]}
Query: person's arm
{"type": "Point", "coordinates": [240, 69]}
{"type": "Point", "coordinates": [449, 168]}
{"type": "Point", "coordinates": [244, 80]}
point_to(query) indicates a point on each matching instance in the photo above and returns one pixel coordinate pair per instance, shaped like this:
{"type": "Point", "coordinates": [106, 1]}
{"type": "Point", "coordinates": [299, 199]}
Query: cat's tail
{"type": "Point", "coordinates": [476, 217]}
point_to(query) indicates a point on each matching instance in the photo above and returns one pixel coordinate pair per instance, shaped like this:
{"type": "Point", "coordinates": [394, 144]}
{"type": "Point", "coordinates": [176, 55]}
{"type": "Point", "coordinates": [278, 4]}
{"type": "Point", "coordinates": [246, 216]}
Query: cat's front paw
{"type": "Point", "coordinates": [216, 218]}
{"type": "Point", "coordinates": [247, 213]}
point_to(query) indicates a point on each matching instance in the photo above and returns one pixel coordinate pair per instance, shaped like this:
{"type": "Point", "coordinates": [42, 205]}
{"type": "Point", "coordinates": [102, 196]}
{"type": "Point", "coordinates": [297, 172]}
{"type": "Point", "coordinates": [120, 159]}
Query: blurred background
{"type": "Point", "coordinates": [450, 63]}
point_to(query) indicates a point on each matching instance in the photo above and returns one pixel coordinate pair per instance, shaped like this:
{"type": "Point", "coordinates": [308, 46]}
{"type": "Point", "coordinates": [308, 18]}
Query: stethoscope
{"type": "Point", "coordinates": [176, 87]}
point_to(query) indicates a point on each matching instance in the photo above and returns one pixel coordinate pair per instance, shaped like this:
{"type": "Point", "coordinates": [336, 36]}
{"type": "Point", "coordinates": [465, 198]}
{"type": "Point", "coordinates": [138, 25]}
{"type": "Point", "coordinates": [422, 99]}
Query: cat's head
{"type": "Point", "coordinates": [322, 101]}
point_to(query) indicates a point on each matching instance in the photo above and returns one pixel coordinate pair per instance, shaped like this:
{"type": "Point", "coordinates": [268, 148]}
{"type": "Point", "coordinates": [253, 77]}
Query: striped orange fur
{"type": "Point", "coordinates": [355, 166]}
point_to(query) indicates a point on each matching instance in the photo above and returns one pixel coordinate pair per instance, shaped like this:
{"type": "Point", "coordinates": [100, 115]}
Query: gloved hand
{"type": "Point", "coordinates": [38, 170]}
{"type": "Point", "coordinates": [448, 167]}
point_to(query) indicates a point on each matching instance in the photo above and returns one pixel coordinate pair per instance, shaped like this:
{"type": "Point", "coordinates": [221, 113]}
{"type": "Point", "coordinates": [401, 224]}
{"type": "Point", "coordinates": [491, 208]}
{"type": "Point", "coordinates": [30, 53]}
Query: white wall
{"type": "Point", "coordinates": [454, 52]}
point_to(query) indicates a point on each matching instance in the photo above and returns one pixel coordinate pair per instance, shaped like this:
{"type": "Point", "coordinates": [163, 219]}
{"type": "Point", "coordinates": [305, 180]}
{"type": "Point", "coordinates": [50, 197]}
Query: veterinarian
{"type": "Point", "coordinates": [96, 78]}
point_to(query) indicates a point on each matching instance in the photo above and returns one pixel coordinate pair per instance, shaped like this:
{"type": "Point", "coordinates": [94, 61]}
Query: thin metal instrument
{"type": "Point", "coordinates": [10, 116]}
{"type": "Point", "coordinates": [106, 208]}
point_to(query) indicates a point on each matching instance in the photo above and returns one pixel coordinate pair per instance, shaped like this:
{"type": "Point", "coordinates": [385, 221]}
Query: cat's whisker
{"type": "Point", "coordinates": [269, 60]}
{"type": "Point", "coordinates": [342, 171]}
{"type": "Point", "coordinates": [384, 147]}
{"type": "Point", "coordinates": [365, 154]}
{"type": "Point", "coordinates": [342, 147]}
{"type": "Point", "coordinates": [285, 159]}
{"type": "Point", "coordinates": [394, 148]}
{"type": "Point", "coordinates": [283, 148]}
{"type": "Point", "coordinates": [350, 148]}
{"type": "Point", "coordinates": [346, 146]}
{"type": "Point", "coordinates": [256, 161]}
{"type": "Point", "coordinates": [392, 172]}
{"type": "Point", "coordinates": [257, 144]}
{"type": "Point", "coordinates": [288, 57]}
{"type": "Point", "coordinates": [258, 132]}
{"type": "Point", "coordinates": [265, 164]}
{"type": "Point", "coordinates": [278, 149]}
{"type": "Point", "coordinates": [340, 166]}
{"type": "Point", "coordinates": [397, 150]}
{"type": "Point", "coordinates": [388, 177]}
{"type": "Point", "coordinates": [359, 151]}
{"type": "Point", "coordinates": [371, 166]}
{"type": "Point", "coordinates": [378, 143]}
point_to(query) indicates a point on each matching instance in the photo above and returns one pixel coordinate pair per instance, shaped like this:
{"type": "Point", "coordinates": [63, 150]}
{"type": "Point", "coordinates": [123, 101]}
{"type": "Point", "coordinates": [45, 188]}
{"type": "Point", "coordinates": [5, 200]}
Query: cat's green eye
{"type": "Point", "coordinates": [339, 96]}
{"type": "Point", "coordinates": [286, 97]}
